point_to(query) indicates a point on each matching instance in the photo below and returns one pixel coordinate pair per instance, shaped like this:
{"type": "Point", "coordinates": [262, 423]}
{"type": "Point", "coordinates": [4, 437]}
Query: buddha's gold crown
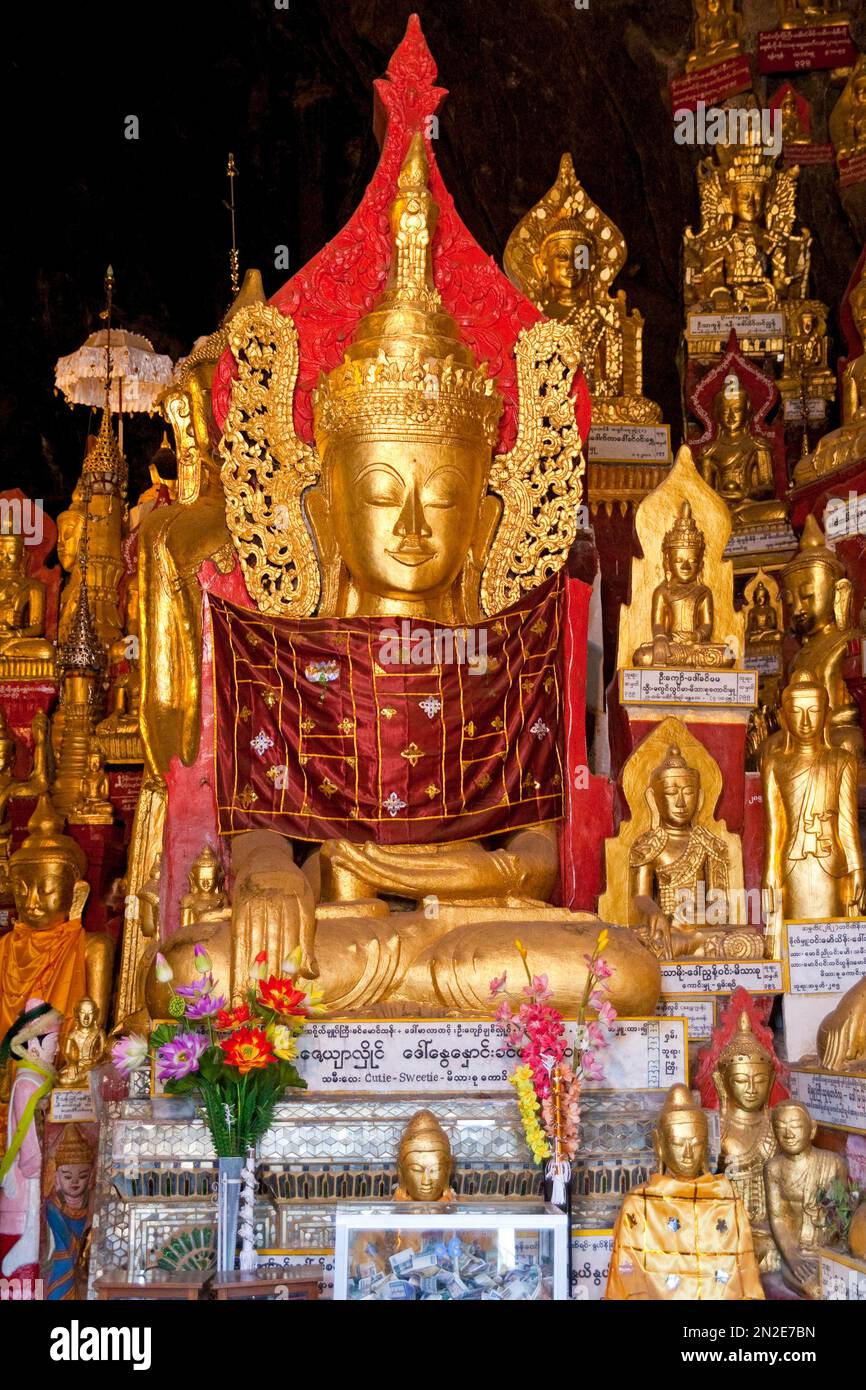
{"type": "Point", "coordinates": [748, 162]}
{"type": "Point", "coordinates": [424, 1132]}
{"type": "Point", "coordinates": [673, 761]}
{"type": "Point", "coordinates": [407, 371]}
{"type": "Point", "coordinates": [684, 531]}
{"type": "Point", "coordinates": [567, 225]}
{"type": "Point", "coordinates": [744, 1045]}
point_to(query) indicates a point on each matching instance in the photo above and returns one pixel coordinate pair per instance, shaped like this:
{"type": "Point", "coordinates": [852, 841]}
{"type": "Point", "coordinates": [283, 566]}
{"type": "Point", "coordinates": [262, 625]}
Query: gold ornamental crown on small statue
{"type": "Point", "coordinates": [407, 365]}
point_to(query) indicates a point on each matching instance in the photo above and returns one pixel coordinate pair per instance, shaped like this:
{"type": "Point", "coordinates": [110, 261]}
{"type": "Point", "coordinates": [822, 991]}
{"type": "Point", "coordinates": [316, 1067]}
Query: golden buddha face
{"type": "Point", "coordinates": [676, 794]}
{"type": "Point", "coordinates": [565, 260]}
{"type": "Point", "coordinates": [205, 878]}
{"type": "Point", "coordinates": [11, 555]}
{"type": "Point", "coordinates": [683, 563]}
{"type": "Point", "coordinates": [424, 1173]}
{"type": "Point", "coordinates": [810, 592]}
{"type": "Point", "coordinates": [85, 1013]}
{"type": "Point", "coordinates": [404, 511]}
{"type": "Point", "coordinates": [793, 1127]}
{"type": "Point", "coordinates": [804, 710]}
{"type": "Point", "coordinates": [747, 200]}
{"type": "Point", "coordinates": [748, 1081]}
{"type": "Point", "coordinates": [682, 1143]}
{"type": "Point", "coordinates": [42, 889]}
{"type": "Point", "coordinates": [732, 411]}
{"type": "Point", "coordinates": [69, 527]}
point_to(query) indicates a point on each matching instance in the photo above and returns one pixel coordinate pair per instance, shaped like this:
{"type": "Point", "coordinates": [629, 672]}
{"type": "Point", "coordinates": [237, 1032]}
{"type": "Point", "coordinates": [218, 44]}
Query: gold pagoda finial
{"type": "Point", "coordinates": [232, 173]}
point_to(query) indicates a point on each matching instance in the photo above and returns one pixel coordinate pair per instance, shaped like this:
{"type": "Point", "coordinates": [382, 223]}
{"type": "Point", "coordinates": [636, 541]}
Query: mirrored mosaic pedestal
{"type": "Point", "coordinates": [155, 1204]}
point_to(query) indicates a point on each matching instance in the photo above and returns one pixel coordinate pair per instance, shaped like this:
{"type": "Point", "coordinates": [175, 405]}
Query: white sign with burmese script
{"type": "Point", "coordinates": [837, 1101]}
{"type": "Point", "coordinates": [842, 1280]}
{"type": "Point", "coordinates": [590, 1264]}
{"type": "Point", "coordinates": [681, 978]}
{"type": "Point", "coordinates": [746, 325]}
{"type": "Point", "coordinates": [70, 1106]}
{"type": "Point", "coordinates": [825, 957]}
{"type": "Point", "coordinates": [446, 1055]}
{"type": "Point", "coordinates": [657, 685]}
{"type": "Point", "coordinates": [700, 1014]}
{"type": "Point", "coordinates": [629, 444]}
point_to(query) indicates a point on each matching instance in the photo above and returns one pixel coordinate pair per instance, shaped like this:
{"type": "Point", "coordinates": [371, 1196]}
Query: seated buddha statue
{"type": "Point", "coordinates": [762, 622]}
{"type": "Point", "coordinates": [684, 1234]}
{"type": "Point", "coordinates": [406, 526]}
{"type": "Point", "coordinates": [744, 1077]}
{"type": "Point", "coordinates": [48, 952]}
{"type": "Point", "coordinates": [94, 800]}
{"type": "Point", "coordinates": [793, 130]}
{"type": "Point", "coordinates": [796, 1178]}
{"type": "Point", "coordinates": [738, 464]}
{"type": "Point", "coordinates": [848, 118]}
{"type": "Point", "coordinates": [682, 605]}
{"type": "Point", "coordinates": [817, 596]}
{"type": "Point", "coordinates": [22, 606]}
{"type": "Point", "coordinates": [207, 898]}
{"type": "Point", "coordinates": [83, 1045]}
{"type": "Point", "coordinates": [41, 778]}
{"type": "Point", "coordinates": [718, 30]}
{"type": "Point", "coordinates": [847, 444]}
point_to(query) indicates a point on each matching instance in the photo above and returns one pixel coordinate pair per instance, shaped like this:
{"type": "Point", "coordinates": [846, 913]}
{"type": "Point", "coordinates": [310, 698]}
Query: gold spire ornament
{"type": "Point", "coordinates": [232, 173]}
{"type": "Point", "coordinates": [565, 255]}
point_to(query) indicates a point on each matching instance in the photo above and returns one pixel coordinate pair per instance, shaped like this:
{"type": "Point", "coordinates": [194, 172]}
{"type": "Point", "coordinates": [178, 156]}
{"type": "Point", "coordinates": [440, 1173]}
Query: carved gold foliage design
{"type": "Point", "coordinates": [540, 481]}
{"type": "Point", "coordinates": [266, 467]}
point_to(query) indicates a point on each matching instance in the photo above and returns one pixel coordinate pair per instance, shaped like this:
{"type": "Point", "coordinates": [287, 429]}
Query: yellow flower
{"type": "Point", "coordinates": [603, 939]}
{"type": "Point", "coordinates": [283, 1040]}
{"type": "Point", "coordinates": [521, 949]}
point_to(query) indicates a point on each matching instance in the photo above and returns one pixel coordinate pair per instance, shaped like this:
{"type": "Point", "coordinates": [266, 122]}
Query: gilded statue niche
{"type": "Point", "coordinates": [565, 254]}
{"type": "Point", "coordinates": [848, 118]}
{"type": "Point", "coordinates": [675, 874]}
{"type": "Point", "coordinates": [660, 597]}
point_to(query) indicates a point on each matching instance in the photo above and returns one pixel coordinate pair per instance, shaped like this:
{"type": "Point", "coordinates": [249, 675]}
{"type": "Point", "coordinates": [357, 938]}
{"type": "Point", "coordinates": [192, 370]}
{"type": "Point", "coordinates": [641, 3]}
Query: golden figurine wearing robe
{"type": "Point", "coordinates": [762, 619]}
{"type": "Point", "coordinates": [682, 605]}
{"type": "Point", "coordinates": [424, 1161]}
{"type": "Point", "coordinates": [743, 1079]}
{"type": "Point", "coordinates": [22, 613]}
{"type": "Point", "coordinates": [746, 258]}
{"type": "Point", "coordinates": [847, 444]}
{"type": "Point", "coordinates": [565, 254]}
{"type": "Point", "coordinates": [813, 861]}
{"type": "Point", "coordinates": [793, 130]}
{"type": "Point", "coordinates": [818, 596]}
{"type": "Point", "coordinates": [48, 952]}
{"type": "Point", "coordinates": [685, 1233]}
{"type": "Point", "coordinates": [83, 1046]}
{"type": "Point", "coordinates": [94, 804]}
{"type": "Point", "coordinates": [796, 1178]}
{"type": "Point", "coordinates": [412, 517]}
{"type": "Point", "coordinates": [738, 464]}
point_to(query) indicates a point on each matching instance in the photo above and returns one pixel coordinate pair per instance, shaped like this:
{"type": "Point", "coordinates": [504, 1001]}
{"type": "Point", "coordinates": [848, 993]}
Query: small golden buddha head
{"type": "Point", "coordinates": [85, 1011]}
{"type": "Point", "coordinates": [70, 525]}
{"type": "Point", "coordinates": [681, 1136]}
{"type": "Point", "coordinates": [406, 425]}
{"type": "Point", "coordinates": [206, 873]}
{"type": "Point", "coordinates": [424, 1159]}
{"type": "Point", "coordinates": [676, 789]}
{"type": "Point", "coordinates": [804, 711]}
{"type": "Point", "coordinates": [11, 553]}
{"type": "Point", "coordinates": [564, 259]}
{"type": "Point", "coordinates": [683, 548]}
{"type": "Point", "coordinates": [810, 579]}
{"type": "Point", "coordinates": [745, 1069]}
{"type": "Point", "coordinates": [857, 305]}
{"type": "Point", "coordinates": [46, 871]}
{"type": "Point", "coordinates": [732, 407]}
{"type": "Point", "coordinates": [73, 1166]}
{"type": "Point", "coordinates": [793, 1127]}
{"type": "Point", "coordinates": [761, 595]}
{"type": "Point", "coordinates": [748, 197]}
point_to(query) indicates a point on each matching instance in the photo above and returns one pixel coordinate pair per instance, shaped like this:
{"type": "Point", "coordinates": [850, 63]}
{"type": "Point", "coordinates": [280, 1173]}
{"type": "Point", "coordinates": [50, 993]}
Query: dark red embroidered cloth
{"type": "Point", "coordinates": [398, 731]}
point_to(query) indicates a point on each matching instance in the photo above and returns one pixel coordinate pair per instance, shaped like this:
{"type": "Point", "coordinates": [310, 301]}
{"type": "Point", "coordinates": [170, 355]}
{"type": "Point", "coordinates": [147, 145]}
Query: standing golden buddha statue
{"type": "Point", "coordinates": [743, 1079]}
{"type": "Point", "coordinates": [813, 860]}
{"type": "Point", "coordinates": [684, 1234]}
{"type": "Point", "coordinates": [99, 505]}
{"type": "Point", "coordinates": [565, 254]}
{"type": "Point", "coordinates": [818, 596]}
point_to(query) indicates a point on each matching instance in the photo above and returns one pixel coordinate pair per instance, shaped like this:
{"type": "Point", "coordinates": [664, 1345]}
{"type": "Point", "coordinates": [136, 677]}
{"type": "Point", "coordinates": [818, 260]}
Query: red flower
{"type": "Point", "coordinates": [232, 1018]}
{"type": "Point", "coordinates": [248, 1049]}
{"type": "Point", "coordinates": [280, 995]}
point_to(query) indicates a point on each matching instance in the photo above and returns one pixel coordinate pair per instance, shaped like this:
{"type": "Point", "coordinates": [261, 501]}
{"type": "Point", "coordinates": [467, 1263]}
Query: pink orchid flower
{"type": "Point", "coordinates": [607, 1014]}
{"type": "Point", "coordinates": [497, 985]}
{"type": "Point", "coordinates": [595, 1034]}
{"type": "Point", "coordinates": [590, 1067]}
{"type": "Point", "coordinates": [602, 970]}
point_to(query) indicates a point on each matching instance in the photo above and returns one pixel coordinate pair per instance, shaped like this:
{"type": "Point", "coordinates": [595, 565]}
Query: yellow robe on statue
{"type": "Point", "coordinates": [678, 1239]}
{"type": "Point", "coordinates": [45, 965]}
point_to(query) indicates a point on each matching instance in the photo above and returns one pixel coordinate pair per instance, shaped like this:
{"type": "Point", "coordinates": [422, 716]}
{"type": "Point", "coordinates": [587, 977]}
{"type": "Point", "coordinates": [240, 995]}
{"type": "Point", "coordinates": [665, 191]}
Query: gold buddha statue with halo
{"type": "Point", "coordinates": [672, 870]}
{"type": "Point", "coordinates": [818, 597]}
{"type": "Point", "coordinates": [565, 254]}
{"type": "Point", "coordinates": [682, 605]}
{"type": "Point", "coordinates": [847, 444]}
{"type": "Point", "coordinates": [744, 1077]}
{"type": "Point", "coordinates": [83, 1045]}
{"type": "Point", "coordinates": [763, 614]}
{"type": "Point", "coordinates": [796, 1178]}
{"type": "Point", "coordinates": [94, 802]}
{"type": "Point", "coordinates": [406, 514]}
{"type": "Point", "coordinates": [746, 258]}
{"type": "Point", "coordinates": [24, 649]}
{"type": "Point", "coordinates": [848, 118]}
{"type": "Point", "coordinates": [424, 1161]}
{"type": "Point", "coordinates": [684, 1234]}
{"type": "Point", "coordinates": [738, 464]}
{"type": "Point", "coordinates": [813, 859]}
{"type": "Point", "coordinates": [718, 33]}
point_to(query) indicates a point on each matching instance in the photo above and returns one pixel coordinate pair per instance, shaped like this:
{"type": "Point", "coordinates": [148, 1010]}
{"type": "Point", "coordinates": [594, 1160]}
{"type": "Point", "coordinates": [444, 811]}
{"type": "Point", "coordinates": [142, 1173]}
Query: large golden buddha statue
{"type": "Point", "coordinates": [738, 464]}
{"type": "Point", "coordinates": [565, 254]}
{"type": "Point", "coordinates": [746, 257]}
{"type": "Point", "coordinates": [24, 649]}
{"type": "Point", "coordinates": [412, 518]}
{"type": "Point", "coordinates": [818, 596]}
